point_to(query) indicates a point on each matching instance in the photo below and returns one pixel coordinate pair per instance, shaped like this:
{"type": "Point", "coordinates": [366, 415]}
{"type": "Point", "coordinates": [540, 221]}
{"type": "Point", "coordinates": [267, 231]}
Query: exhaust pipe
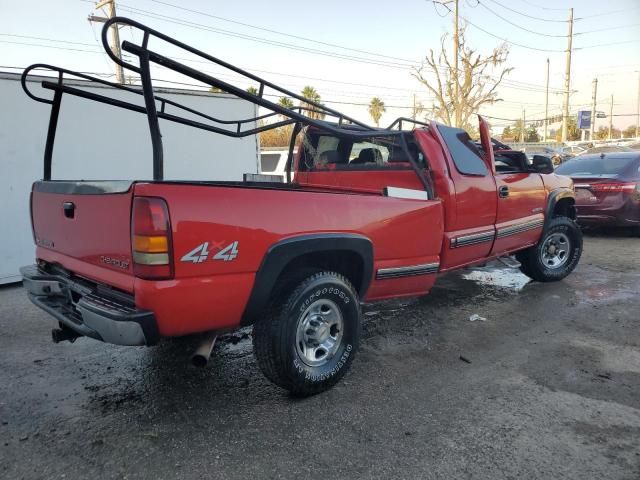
{"type": "Point", "coordinates": [201, 356]}
{"type": "Point", "coordinates": [64, 334]}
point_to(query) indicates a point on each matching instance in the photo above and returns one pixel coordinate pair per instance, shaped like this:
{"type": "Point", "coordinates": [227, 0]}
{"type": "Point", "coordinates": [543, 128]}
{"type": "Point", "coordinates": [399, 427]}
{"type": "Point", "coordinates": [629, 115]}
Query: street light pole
{"type": "Point", "coordinates": [611, 117]}
{"type": "Point", "coordinates": [638, 109]}
{"type": "Point", "coordinates": [593, 109]}
{"type": "Point", "coordinates": [567, 80]}
{"type": "Point", "coordinates": [546, 106]}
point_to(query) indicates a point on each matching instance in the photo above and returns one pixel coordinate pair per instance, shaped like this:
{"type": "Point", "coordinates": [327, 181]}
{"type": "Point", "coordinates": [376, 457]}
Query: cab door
{"type": "Point", "coordinates": [470, 232]}
{"type": "Point", "coordinates": [521, 199]}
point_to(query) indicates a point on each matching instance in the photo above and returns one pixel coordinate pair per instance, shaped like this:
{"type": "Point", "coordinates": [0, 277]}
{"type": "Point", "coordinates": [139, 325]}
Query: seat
{"type": "Point", "coordinates": [367, 155]}
{"type": "Point", "coordinates": [329, 157]}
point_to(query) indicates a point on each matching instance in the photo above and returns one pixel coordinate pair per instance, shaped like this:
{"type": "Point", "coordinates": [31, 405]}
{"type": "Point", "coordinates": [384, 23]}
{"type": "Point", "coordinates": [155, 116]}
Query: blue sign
{"type": "Point", "coordinates": [584, 119]}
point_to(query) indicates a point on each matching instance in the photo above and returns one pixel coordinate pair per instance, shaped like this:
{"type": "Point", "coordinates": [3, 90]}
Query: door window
{"type": "Point", "coordinates": [465, 153]}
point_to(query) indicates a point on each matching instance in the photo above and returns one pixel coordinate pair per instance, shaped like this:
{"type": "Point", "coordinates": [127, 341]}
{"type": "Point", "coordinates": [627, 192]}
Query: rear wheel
{"type": "Point", "coordinates": [556, 254]}
{"type": "Point", "coordinates": [308, 339]}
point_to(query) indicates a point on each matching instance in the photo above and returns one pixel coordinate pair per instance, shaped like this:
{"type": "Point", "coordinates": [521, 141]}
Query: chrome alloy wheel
{"type": "Point", "coordinates": [319, 333]}
{"type": "Point", "coordinates": [555, 250]}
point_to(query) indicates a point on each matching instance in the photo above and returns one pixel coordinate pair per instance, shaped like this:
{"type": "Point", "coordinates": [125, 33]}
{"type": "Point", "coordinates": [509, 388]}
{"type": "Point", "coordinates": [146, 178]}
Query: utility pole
{"type": "Point", "coordinates": [611, 117]}
{"type": "Point", "coordinates": [567, 80]}
{"type": "Point", "coordinates": [413, 112]}
{"type": "Point", "coordinates": [115, 35]}
{"type": "Point", "coordinates": [524, 121]}
{"type": "Point", "coordinates": [456, 47]}
{"type": "Point", "coordinates": [593, 109]}
{"type": "Point", "coordinates": [638, 109]}
{"type": "Point", "coordinates": [546, 107]}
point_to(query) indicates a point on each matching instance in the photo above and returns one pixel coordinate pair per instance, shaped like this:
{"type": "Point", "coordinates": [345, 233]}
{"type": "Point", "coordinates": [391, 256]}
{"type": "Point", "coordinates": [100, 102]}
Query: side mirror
{"type": "Point", "coordinates": [542, 164]}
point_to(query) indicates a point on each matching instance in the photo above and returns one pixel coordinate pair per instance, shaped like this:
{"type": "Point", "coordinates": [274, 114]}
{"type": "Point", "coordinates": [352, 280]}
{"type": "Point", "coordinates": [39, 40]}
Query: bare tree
{"type": "Point", "coordinates": [477, 83]}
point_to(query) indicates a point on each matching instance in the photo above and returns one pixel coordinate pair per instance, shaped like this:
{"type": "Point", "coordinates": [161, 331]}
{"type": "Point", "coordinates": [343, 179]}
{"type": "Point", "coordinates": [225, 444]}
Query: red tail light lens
{"type": "Point", "coordinates": [151, 239]}
{"type": "Point", "coordinates": [613, 187]}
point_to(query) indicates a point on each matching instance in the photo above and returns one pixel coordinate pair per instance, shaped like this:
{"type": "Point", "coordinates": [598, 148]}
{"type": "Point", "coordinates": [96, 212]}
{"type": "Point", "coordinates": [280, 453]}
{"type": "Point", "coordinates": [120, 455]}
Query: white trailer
{"type": "Point", "coordinates": [95, 141]}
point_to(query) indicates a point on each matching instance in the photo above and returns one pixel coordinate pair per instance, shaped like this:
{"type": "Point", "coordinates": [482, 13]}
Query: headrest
{"type": "Point", "coordinates": [398, 155]}
{"type": "Point", "coordinates": [368, 155]}
{"type": "Point", "coordinates": [329, 156]}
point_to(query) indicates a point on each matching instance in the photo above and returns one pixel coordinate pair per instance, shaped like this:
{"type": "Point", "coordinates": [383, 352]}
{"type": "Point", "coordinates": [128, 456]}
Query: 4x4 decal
{"type": "Point", "coordinates": [201, 252]}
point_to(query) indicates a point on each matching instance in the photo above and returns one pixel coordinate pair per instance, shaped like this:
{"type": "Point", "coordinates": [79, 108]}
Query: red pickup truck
{"type": "Point", "coordinates": [368, 214]}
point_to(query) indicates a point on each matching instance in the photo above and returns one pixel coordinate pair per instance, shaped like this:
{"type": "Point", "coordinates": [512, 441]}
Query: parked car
{"type": "Point", "coordinates": [607, 188]}
{"type": "Point", "coordinates": [634, 146]}
{"type": "Point", "coordinates": [556, 156]}
{"type": "Point", "coordinates": [573, 150]}
{"type": "Point", "coordinates": [371, 214]}
{"type": "Point", "coordinates": [606, 149]}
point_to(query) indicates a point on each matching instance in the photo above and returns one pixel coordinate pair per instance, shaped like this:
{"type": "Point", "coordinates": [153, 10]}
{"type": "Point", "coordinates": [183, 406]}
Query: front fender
{"type": "Point", "coordinates": [557, 195]}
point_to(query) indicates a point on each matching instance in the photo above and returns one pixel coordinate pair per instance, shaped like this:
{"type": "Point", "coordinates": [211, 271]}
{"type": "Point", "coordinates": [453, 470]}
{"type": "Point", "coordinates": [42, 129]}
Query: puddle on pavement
{"type": "Point", "coordinates": [498, 276]}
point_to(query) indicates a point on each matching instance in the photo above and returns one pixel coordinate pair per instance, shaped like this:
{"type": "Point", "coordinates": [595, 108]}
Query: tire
{"type": "Point", "coordinates": [299, 351]}
{"type": "Point", "coordinates": [544, 262]}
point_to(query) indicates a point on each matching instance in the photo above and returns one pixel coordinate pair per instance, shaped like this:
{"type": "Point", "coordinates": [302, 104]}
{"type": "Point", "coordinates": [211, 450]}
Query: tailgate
{"type": "Point", "coordinates": [85, 227]}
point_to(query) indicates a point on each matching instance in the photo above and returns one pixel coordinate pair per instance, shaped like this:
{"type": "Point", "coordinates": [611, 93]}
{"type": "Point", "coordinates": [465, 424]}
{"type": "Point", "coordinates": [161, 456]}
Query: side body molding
{"type": "Point", "coordinates": [283, 252]}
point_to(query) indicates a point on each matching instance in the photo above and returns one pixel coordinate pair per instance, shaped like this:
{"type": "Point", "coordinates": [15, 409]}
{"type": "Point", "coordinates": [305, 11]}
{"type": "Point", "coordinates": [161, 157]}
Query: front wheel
{"type": "Point", "coordinates": [556, 254]}
{"type": "Point", "coordinates": [309, 338]}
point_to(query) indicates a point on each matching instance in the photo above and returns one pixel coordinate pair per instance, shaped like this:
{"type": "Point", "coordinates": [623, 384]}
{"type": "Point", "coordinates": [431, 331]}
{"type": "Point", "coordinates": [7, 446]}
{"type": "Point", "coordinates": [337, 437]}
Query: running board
{"type": "Point", "coordinates": [509, 261]}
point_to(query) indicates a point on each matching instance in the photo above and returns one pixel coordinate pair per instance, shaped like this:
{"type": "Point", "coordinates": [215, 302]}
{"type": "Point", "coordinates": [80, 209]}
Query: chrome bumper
{"type": "Point", "coordinates": [87, 310]}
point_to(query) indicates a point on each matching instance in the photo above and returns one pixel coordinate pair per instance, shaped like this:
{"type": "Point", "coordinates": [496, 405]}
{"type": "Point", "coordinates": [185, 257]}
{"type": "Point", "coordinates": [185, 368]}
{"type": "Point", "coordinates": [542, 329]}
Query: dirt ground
{"type": "Point", "coordinates": [552, 391]}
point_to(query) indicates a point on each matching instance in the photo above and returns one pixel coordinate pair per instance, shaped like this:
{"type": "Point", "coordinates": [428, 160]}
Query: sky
{"type": "Point", "coordinates": [294, 44]}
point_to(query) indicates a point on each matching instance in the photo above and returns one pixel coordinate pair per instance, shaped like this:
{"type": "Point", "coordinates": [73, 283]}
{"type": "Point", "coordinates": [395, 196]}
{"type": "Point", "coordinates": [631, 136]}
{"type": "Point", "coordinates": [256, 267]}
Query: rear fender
{"type": "Point", "coordinates": [285, 251]}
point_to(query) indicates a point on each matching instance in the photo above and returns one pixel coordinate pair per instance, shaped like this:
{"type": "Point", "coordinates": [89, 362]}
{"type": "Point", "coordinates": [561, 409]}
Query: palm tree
{"type": "Point", "coordinates": [312, 95]}
{"type": "Point", "coordinates": [376, 109]}
{"type": "Point", "coordinates": [215, 90]}
{"type": "Point", "coordinates": [252, 90]}
{"type": "Point", "coordinates": [285, 102]}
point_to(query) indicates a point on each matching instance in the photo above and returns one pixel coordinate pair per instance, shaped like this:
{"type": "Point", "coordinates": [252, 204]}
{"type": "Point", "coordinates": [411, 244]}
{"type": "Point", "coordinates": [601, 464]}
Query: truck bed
{"type": "Point", "coordinates": [246, 218]}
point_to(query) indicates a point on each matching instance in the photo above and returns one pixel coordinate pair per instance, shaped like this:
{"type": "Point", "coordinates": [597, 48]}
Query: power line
{"type": "Point", "coordinates": [507, 83]}
{"type": "Point", "coordinates": [510, 42]}
{"type": "Point", "coordinates": [518, 26]}
{"type": "Point", "coordinates": [298, 37]}
{"type": "Point", "coordinates": [44, 38]}
{"type": "Point", "coordinates": [528, 16]}
{"type": "Point", "coordinates": [200, 26]}
{"type": "Point", "coordinates": [606, 44]}
{"type": "Point", "coordinates": [608, 28]}
{"type": "Point", "coordinates": [49, 46]}
{"type": "Point", "coordinates": [544, 8]}
{"type": "Point", "coordinates": [608, 13]}
{"type": "Point", "coordinates": [336, 102]}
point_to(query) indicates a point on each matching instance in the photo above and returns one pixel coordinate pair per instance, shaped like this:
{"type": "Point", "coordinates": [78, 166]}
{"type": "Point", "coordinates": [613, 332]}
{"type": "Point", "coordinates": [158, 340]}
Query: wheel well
{"type": "Point", "coordinates": [565, 207]}
{"type": "Point", "coordinates": [344, 262]}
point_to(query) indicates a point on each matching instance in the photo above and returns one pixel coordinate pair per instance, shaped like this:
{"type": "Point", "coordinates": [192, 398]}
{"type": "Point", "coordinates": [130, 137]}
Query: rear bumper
{"type": "Point", "coordinates": [89, 310]}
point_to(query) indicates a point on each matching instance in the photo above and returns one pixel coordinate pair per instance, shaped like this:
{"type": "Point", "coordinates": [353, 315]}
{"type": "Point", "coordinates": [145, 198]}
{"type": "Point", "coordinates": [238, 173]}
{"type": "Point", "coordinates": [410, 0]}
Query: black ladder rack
{"type": "Point", "coordinates": [155, 105]}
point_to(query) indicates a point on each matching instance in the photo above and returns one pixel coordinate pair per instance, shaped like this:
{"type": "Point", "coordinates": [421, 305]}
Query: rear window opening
{"type": "Point", "coordinates": [327, 152]}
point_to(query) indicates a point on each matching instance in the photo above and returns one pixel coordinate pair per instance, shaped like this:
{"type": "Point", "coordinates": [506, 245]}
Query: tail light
{"type": "Point", "coordinates": [613, 187]}
{"type": "Point", "coordinates": [151, 239]}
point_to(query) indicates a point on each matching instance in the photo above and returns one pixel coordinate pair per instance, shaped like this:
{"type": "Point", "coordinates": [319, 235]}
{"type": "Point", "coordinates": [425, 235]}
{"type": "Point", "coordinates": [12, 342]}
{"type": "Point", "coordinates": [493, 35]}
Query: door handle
{"type": "Point", "coordinates": [69, 209]}
{"type": "Point", "coordinates": [503, 191]}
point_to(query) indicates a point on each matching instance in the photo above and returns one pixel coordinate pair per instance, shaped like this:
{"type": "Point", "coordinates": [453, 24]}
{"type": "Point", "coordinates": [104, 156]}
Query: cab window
{"type": "Point", "coordinates": [326, 152]}
{"type": "Point", "coordinates": [465, 153]}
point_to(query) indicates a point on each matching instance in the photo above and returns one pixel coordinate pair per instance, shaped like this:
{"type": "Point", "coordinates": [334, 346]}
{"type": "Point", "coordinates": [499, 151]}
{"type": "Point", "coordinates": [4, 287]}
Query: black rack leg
{"type": "Point", "coordinates": [152, 116]}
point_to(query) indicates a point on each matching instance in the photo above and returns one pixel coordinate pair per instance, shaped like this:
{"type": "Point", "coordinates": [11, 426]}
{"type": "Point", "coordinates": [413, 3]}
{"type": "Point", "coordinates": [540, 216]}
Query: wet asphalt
{"type": "Point", "coordinates": [552, 391]}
